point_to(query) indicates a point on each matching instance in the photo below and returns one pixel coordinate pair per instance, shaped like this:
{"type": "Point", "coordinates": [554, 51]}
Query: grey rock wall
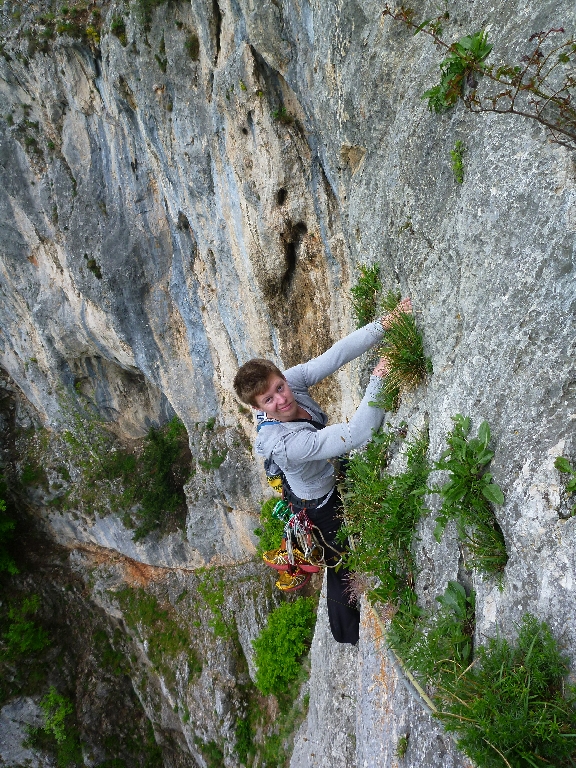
{"type": "Point", "coordinates": [221, 233]}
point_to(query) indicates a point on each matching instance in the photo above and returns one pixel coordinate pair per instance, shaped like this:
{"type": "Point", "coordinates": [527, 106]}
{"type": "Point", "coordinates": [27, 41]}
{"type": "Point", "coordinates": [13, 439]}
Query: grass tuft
{"type": "Point", "coordinates": [365, 294]}
{"type": "Point", "coordinates": [403, 348]}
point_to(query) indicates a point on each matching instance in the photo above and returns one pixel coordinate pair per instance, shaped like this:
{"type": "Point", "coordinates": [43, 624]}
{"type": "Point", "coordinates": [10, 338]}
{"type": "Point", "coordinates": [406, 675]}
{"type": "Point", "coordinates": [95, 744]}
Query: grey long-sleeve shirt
{"type": "Point", "coordinates": [300, 450]}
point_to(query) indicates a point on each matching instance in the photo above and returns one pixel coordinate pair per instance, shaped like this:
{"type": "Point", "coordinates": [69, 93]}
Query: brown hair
{"type": "Point", "coordinates": [252, 379]}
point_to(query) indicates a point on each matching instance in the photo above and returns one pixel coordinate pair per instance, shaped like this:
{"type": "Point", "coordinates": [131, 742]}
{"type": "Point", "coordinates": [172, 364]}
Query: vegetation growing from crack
{"type": "Point", "coordinates": [192, 46]}
{"type": "Point", "coordinates": [144, 10]}
{"type": "Point", "coordinates": [212, 587]}
{"type": "Point", "coordinates": [513, 707]}
{"type": "Point", "coordinates": [96, 475]}
{"type": "Point", "coordinates": [468, 496]}
{"type": "Point", "coordinates": [541, 87]}
{"type": "Point", "coordinates": [281, 115]}
{"type": "Point", "coordinates": [93, 266]}
{"type": "Point", "coordinates": [265, 740]}
{"type": "Point", "coordinates": [118, 29]}
{"type": "Point", "coordinates": [457, 161]}
{"type": "Point", "coordinates": [382, 511]}
{"type": "Point", "coordinates": [7, 525]}
{"type": "Point", "coordinates": [402, 746]}
{"type": "Point", "coordinates": [75, 20]}
{"type": "Point", "coordinates": [166, 639]}
{"type": "Point", "coordinates": [508, 704]}
{"type": "Point", "coordinates": [23, 643]}
{"type": "Point", "coordinates": [59, 734]}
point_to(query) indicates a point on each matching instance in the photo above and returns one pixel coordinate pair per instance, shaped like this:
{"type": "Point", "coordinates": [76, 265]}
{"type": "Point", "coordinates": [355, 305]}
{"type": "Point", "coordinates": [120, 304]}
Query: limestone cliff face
{"type": "Point", "coordinates": [201, 192]}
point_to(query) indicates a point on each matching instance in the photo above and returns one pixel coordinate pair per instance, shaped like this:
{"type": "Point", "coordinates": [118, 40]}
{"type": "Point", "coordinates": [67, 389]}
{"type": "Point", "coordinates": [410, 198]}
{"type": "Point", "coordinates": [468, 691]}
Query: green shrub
{"type": "Point", "coordinates": [23, 636]}
{"type": "Point", "coordinates": [513, 708]}
{"type": "Point", "coordinates": [145, 9]}
{"type": "Point", "coordinates": [402, 745]}
{"type": "Point", "coordinates": [7, 525]}
{"type": "Point", "coordinates": [281, 644]}
{"type": "Point", "coordinates": [244, 740]}
{"type": "Point", "coordinates": [162, 470]}
{"type": "Point", "coordinates": [211, 753]}
{"type": "Point", "coordinates": [56, 709]}
{"type": "Point", "coordinates": [270, 530]}
{"type": "Point", "coordinates": [281, 115]}
{"type": "Point", "coordinates": [215, 461]}
{"type": "Point", "coordinates": [468, 495]}
{"type": "Point", "coordinates": [365, 294]}
{"type": "Point", "coordinates": [118, 29]}
{"type": "Point", "coordinates": [192, 46]}
{"type": "Point", "coordinates": [59, 735]}
{"type": "Point", "coordinates": [382, 511]}
{"type": "Point", "coordinates": [436, 646]}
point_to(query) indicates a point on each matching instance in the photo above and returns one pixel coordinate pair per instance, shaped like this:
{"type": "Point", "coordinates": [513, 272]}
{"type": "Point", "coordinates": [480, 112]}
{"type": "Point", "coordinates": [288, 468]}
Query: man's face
{"type": "Point", "coordinates": [277, 400]}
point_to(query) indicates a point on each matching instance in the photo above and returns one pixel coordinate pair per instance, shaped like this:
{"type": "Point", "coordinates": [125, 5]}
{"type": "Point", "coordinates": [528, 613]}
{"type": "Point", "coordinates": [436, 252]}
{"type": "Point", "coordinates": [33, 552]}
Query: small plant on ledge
{"type": "Point", "coordinates": [457, 158]}
{"type": "Point", "coordinates": [468, 495]}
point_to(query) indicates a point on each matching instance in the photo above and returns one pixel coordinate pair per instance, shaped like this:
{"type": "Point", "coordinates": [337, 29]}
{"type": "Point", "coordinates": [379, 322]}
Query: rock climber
{"type": "Point", "coordinates": [298, 446]}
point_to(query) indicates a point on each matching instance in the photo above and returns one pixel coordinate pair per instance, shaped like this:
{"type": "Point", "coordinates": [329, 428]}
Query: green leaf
{"type": "Point", "coordinates": [484, 433]}
{"type": "Point", "coordinates": [562, 464]}
{"type": "Point", "coordinates": [493, 493]}
{"type": "Point", "coordinates": [421, 26]}
{"type": "Point", "coordinates": [441, 522]}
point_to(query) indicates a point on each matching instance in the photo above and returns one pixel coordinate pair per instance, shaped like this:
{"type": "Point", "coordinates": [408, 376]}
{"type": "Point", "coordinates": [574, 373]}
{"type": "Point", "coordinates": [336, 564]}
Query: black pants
{"type": "Point", "coordinates": [343, 614]}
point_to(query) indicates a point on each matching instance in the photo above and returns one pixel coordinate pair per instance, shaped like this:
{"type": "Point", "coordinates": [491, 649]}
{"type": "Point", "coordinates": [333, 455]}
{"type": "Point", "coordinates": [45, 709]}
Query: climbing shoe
{"type": "Point", "coordinates": [278, 558]}
{"type": "Point", "coordinates": [288, 583]}
{"type": "Point", "coordinates": [313, 563]}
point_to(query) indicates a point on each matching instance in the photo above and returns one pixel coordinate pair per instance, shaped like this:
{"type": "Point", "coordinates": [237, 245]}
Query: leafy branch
{"type": "Point", "coordinates": [540, 87]}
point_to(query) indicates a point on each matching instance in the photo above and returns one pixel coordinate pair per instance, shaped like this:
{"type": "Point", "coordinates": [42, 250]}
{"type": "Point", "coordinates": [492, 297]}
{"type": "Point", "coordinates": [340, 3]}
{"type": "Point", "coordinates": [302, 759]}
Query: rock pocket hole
{"type": "Point", "coordinates": [281, 196]}
{"type": "Point", "coordinates": [291, 240]}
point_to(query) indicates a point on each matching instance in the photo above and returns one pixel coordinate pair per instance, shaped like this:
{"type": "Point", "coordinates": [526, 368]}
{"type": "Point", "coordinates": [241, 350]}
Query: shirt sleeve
{"type": "Point", "coordinates": [308, 445]}
{"type": "Point", "coordinates": [355, 344]}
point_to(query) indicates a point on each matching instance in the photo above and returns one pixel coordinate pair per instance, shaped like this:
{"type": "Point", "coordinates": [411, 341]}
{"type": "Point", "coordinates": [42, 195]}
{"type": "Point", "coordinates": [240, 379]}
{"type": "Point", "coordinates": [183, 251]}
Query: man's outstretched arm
{"type": "Point", "coordinates": [355, 344]}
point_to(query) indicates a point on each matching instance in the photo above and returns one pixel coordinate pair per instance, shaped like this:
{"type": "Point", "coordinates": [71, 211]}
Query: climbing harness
{"type": "Point", "coordinates": [305, 546]}
{"type": "Point", "coordinates": [304, 554]}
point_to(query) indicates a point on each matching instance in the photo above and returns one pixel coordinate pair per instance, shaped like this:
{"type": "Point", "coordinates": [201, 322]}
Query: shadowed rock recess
{"type": "Point", "coordinates": [187, 185]}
